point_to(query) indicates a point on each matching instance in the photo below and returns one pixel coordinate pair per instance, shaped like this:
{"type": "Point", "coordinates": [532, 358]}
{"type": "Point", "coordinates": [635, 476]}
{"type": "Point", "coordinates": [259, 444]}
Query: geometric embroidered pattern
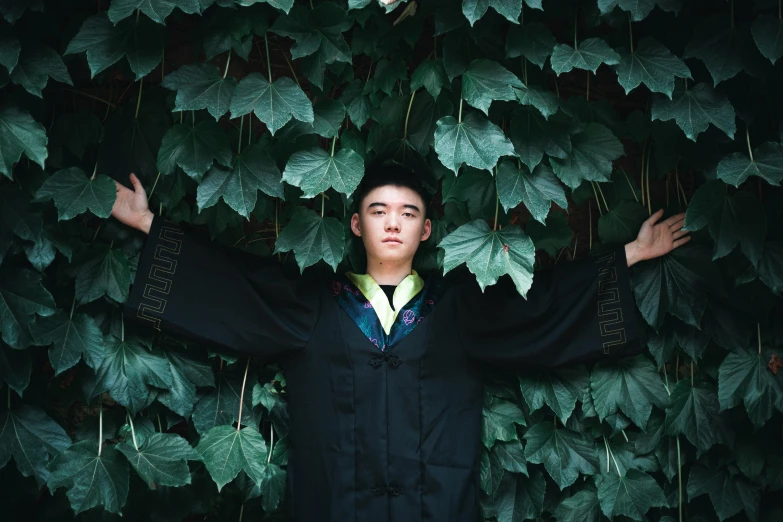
{"type": "Point", "coordinates": [610, 311]}
{"type": "Point", "coordinates": [164, 265]}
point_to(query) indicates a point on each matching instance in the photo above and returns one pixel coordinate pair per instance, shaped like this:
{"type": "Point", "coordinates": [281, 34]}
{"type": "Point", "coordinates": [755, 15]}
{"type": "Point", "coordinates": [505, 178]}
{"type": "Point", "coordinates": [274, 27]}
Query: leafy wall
{"type": "Point", "coordinates": [547, 126]}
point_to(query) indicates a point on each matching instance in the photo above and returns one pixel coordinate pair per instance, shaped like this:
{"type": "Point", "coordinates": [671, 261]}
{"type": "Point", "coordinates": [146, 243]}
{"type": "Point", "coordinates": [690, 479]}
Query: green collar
{"type": "Point", "coordinates": [408, 287]}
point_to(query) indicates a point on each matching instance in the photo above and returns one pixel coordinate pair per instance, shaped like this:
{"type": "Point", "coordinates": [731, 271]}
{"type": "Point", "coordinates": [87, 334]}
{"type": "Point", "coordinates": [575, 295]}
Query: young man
{"type": "Point", "coordinates": [383, 369]}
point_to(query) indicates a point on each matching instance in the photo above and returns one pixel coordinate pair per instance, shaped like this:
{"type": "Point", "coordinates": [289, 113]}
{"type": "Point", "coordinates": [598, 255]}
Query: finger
{"type": "Point", "coordinates": [654, 217]}
{"type": "Point", "coordinates": [136, 183]}
{"type": "Point", "coordinates": [676, 223]}
{"type": "Point", "coordinates": [679, 233]}
{"type": "Point", "coordinates": [681, 241]}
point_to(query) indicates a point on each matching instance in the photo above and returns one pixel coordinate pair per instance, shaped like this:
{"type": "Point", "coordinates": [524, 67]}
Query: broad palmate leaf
{"type": "Point", "coordinates": [490, 254]}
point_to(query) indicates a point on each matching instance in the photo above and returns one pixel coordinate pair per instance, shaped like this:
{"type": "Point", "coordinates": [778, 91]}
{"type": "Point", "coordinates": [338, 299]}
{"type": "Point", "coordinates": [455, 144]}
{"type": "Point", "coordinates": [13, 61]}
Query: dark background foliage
{"type": "Point", "coordinates": [667, 103]}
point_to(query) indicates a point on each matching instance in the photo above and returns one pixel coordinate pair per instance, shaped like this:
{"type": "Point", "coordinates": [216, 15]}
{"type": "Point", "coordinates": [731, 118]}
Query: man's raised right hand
{"type": "Point", "coordinates": [131, 206]}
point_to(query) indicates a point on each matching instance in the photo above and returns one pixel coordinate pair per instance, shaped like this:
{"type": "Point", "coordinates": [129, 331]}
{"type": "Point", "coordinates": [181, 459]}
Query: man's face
{"type": "Point", "coordinates": [391, 224]}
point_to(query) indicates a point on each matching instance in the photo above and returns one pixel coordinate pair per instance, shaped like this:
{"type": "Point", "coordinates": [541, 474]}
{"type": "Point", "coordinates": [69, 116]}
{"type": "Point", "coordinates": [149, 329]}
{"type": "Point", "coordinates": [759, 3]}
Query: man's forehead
{"type": "Point", "coordinates": [393, 195]}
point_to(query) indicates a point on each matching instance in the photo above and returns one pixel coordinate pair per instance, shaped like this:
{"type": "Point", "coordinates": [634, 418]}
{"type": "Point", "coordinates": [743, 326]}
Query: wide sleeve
{"type": "Point", "coordinates": [191, 287]}
{"type": "Point", "coordinates": [576, 312]}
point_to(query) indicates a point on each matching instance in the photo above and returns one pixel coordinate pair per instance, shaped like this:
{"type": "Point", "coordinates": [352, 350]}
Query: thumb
{"type": "Point", "coordinates": [137, 184]}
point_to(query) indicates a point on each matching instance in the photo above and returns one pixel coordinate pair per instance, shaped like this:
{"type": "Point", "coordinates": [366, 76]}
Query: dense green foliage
{"type": "Point", "coordinates": [608, 109]}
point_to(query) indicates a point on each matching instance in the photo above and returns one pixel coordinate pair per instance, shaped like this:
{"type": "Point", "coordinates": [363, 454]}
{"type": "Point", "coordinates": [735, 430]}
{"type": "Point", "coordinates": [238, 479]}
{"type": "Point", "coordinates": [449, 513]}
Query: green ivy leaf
{"type": "Point", "coordinates": [312, 238]}
{"type": "Point", "coordinates": [546, 102]}
{"type": "Point", "coordinates": [490, 473]}
{"type": "Point", "coordinates": [9, 50]}
{"type": "Point", "coordinates": [718, 43]}
{"type": "Point", "coordinates": [564, 453]}
{"type": "Point", "coordinates": [558, 389]}
{"type": "Point", "coordinates": [16, 368]}
{"type": "Point", "coordinates": [20, 133]}
{"type": "Point", "coordinates": [554, 235]}
{"type": "Point", "coordinates": [161, 460]}
{"type": "Point", "coordinates": [534, 41]}
{"type": "Point", "coordinates": [70, 337]}
{"type": "Point", "coordinates": [693, 411]}
{"type": "Point", "coordinates": [12, 10]}
{"type": "Point", "coordinates": [582, 506]}
{"type": "Point", "coordinates": [220, 406]}
{"type": "Point", "coordinates": [694, 109]}
{"type": "Point", "coordinates": [490, 254]}
{"type": "Point", "coordinates": [765, 163]}
{"type": "Point", "coordinates": [770, 269]}
{"type": "Point", "coordinates": [652, 64]}
{"type": "Point", "coordinates": [74, 193]}
{"type": "Point", "coordinates": [129, 372]}
{"type": "Point", "coordinates": [537, 190]}
{"type": "Point", "coordinates": [37, 63]}
{"type": "Point", "coordinates": [30, 436]}
{"type": "Point", "coordinates": [639, 9]}
{"type": "Point", "coordinates": [733, 219]}
{"type": "Point", "coordinates": [186, 373]}
{"type": "Point", "coordinates": [89, 478]}
{"type": "Point", "coordinates": [103, 272]}
{"type": "Point", "coordinates": [476, 188]}
{"type": "Point", "coordinates": [273, 484]}
{"type": "Point", "coordinates": [22, 297]}
{"type": "Point", "coordinates": [589, 55]}
{"type": "Point", "coordinates": [387, 74]}
{"type": "Point", "coordinates": [767, 31]}
{"type": "Point", "coordinates": [729, 495]}
{"type": "Point", "coordinates": [201, 86]}
{"type": "Point", "coordinates": [105, 44]}
{"type": "Point", "coordinates": [485, 81]}
{"type": "Point", "coordinates": [318, 36]}
{"type": "Point", "coordinates": [431, 75]}
{"type": "Point", "coordinates": [273, 103]}
{"type": "Point", "coordinates": [499, 419]}
{"type": "Point", "coordinates": [315, 170]}
{"type": "Point", "coordinates": [194, 148]}
{"type": "Point", "coordinates": [357, 103]}
{"type": "Point", "coordinates": [675, 283]}
{"type": "Point", "coordinates": [520, 497]}
{"type": "Point", "coordinates": [692, 341]}
{"type": "Point", "coordinates": [510, 456]}
{"type": "Point", "coordinates": [621, 224]}
{"type": "Point", "coordinates": [475, 141]}
{"type": "Point", "coordinates": [593, 149]}
{"type": "Point", "coordinates": [744, 378]}
{"type": "Point", "coordinates": [533, 136]}
{"type": "Point", "coordinates": [253, 170]}
{"type": "Point", "coordinates": [631, 495]}
{"type": "Point", "coordinates": [475, 9]}
{"type": "Point", "coordinates": [157, 10]}
{"type": "Point", "coordinates": [226, 450]}
{"type": "Point", "coordinates": [631, 385]}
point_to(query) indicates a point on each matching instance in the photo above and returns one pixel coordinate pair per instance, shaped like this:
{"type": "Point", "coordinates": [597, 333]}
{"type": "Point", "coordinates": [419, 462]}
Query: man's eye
{"type": "Point", "coordinates": [408, 214]}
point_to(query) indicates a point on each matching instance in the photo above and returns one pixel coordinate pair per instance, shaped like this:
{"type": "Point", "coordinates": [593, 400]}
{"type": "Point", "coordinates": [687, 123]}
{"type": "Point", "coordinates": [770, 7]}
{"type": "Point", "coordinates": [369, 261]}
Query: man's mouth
{"type": "Point", "coordinates": [392, 240]}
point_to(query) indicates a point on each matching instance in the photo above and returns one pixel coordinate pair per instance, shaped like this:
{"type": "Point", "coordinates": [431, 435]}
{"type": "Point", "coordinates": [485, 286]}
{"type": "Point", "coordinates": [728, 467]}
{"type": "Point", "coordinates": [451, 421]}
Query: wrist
{"type": "Point", "coordinates": [633, 253]}
{"type": "Point", "coordinates": [145, 223]}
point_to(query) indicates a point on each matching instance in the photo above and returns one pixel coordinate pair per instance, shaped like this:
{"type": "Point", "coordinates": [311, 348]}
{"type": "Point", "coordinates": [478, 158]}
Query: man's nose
{"type": "Point", "coordinates": [392, 224]}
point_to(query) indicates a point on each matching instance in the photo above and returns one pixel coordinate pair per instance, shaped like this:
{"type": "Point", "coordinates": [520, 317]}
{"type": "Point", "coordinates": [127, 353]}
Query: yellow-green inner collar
{"type": "Point", "coordinates": [405, 291]}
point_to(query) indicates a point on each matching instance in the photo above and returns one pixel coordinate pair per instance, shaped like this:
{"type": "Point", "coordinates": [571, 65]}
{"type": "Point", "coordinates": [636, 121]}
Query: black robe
{"type": "Point", "coordinates": [389, 435]}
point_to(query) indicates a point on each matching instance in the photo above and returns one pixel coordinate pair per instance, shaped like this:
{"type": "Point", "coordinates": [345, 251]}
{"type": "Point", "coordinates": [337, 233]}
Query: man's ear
{"type": "Point", "coordinates": [356, 225]}
{"type": "Point", "coordinates": [427, 229]}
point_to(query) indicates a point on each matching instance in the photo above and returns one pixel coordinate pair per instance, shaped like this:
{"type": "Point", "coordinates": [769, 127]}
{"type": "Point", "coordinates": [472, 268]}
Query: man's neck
{"type": "Point", "coordinates": [388, 273]}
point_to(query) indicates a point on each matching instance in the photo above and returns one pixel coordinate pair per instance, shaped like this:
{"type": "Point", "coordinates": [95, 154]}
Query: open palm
{"type": "Point", "coordinates": [131, 206]}
{"type": "Point", "coordinates": [657, 239]}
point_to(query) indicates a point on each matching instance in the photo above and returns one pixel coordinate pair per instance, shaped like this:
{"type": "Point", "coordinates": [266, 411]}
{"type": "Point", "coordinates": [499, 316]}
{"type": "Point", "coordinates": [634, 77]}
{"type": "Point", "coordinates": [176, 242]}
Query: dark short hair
{"type": "Point", "coordinates": [388, 173]}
